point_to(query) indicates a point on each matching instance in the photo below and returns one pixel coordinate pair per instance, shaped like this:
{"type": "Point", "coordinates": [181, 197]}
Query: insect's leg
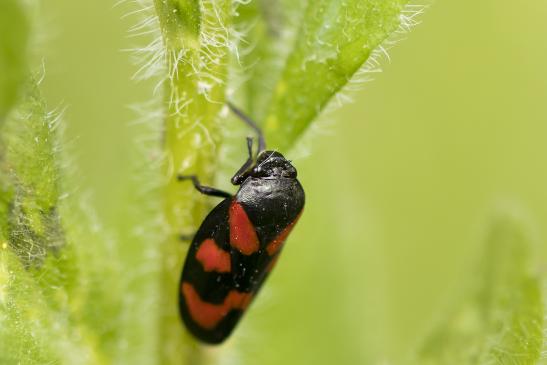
{"type": "Point", "coordinates": [206, 190]}
{"type": "Point", "coordinates": [250, 148]}
{"type": "Point", "coordinates": [242, 173]}
{"type": "Point", "coordinates": [252, 124]}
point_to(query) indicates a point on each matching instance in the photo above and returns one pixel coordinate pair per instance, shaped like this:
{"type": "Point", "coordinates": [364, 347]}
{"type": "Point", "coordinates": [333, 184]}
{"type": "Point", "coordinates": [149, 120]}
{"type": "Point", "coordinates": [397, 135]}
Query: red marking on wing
{"type": "Point", "coordinates": [242, 232]}
{"type": "Point", "coordinates": [208, 315]}
{"type": "Point", "coordinates": [274, 246]}
{"type": "Point", "coordinates": [212, 257]}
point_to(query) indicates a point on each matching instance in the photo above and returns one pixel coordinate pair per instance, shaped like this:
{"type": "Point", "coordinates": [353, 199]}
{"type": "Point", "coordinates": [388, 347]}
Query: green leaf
{"type": "Point", "coordinates": [43, 305]}
{"type": "Point", "coordinates": [334, 40]}
{"type": "Point", "coordinates": [269, 30]}
{"type": "Point", "coordinates": [501, 319]}
{"type": "Point", "coordinates": [30, 181]}
{"type": "Point", "coordinates": [14, 29]}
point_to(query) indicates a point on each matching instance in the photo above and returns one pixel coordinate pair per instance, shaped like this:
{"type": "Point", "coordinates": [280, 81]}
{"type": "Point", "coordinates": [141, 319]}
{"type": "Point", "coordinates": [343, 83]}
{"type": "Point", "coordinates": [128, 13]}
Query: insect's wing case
{"type": "Point", "coordinates": [203, 290]}
{"type": "Point", "coordinates": [273, 205]}
{"type": "Point", "coordinates": [232, 253]}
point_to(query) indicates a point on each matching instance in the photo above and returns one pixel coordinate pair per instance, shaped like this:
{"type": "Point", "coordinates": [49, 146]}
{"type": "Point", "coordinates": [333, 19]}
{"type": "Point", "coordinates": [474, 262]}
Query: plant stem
{"type": "Point", "coordinates": [195, 35]}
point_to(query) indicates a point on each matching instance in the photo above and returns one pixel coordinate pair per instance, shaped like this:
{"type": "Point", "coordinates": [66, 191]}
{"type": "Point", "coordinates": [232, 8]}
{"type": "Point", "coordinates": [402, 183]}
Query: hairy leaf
{"type": "Point", "coordinates": [42, 305]}
{"type": "Point", "coordinates": [334, 40]}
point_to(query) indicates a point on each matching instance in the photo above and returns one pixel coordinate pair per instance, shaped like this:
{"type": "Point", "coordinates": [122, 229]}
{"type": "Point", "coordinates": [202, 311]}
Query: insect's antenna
{"type": "Point", "coordinates": [250, 123]}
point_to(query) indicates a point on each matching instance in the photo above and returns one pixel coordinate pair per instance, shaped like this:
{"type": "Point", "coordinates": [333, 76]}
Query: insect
{"type": "Point", "coordinates": [239, 242]}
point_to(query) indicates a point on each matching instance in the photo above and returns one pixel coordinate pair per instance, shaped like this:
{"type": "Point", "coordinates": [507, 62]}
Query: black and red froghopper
{"type": "Point", "coordinates": [239, 242]}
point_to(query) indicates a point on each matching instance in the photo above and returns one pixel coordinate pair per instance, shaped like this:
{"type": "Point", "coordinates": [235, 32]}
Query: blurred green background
{"type": "Point", "coordinates": [400, 189]}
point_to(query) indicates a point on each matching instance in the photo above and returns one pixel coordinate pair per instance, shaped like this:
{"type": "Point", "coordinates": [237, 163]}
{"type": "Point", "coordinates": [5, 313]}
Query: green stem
{"type": "Point", "coordinates": [196, 36]}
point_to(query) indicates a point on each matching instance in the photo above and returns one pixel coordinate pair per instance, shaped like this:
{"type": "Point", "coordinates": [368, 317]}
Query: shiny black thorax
{"type": "Point", "coordinates": [271, 204]}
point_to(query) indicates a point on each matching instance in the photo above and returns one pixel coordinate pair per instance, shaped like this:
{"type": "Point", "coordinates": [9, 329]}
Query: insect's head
{"type": "Point", "coordinates": [269, 164]}
{"type": "Point", "coordinates": [272, 164]}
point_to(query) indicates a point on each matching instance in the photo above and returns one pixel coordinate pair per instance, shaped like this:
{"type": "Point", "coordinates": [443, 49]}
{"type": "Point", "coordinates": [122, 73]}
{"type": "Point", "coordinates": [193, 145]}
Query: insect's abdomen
{"type": "Point", "coordinates": [232, 253]}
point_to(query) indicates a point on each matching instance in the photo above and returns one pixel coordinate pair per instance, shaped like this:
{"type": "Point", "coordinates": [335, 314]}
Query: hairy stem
{"type": "Point", "coordinates": [196, 39]}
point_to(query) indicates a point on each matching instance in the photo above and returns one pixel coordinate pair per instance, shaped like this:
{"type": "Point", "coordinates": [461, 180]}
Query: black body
{"type": "Point", "coordinates": [272, 199]}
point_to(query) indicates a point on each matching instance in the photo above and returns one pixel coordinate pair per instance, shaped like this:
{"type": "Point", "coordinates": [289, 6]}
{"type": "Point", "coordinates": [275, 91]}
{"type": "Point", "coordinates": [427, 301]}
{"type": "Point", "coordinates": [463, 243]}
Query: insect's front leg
{"type": "Point", "coordinates": [206, 190]}
{"type": "Point", "coordinates": [251, 123]}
